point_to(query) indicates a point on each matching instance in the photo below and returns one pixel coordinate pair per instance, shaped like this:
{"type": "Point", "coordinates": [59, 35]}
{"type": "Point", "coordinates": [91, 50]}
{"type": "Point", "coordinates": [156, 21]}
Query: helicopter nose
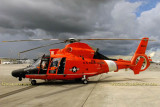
{"type": "Point", "coordinates": [18, 73]}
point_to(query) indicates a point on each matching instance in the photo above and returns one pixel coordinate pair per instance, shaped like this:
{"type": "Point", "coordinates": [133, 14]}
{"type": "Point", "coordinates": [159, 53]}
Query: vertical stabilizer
{"type": "Point", "coordinates": [140, 60]}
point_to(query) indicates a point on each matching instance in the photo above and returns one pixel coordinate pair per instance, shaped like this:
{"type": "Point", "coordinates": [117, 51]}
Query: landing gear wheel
{"type": "Point", "coordinates": [33, 82]}
{"type": "Point", "coordinates": [85, 82]}
{"type": "Point", "coordinates": [20, 78]}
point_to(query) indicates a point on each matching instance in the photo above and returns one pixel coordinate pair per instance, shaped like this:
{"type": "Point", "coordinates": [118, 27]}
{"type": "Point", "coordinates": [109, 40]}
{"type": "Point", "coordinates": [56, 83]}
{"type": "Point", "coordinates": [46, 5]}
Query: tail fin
{"type": "Point", "coordinates": [140, 60]}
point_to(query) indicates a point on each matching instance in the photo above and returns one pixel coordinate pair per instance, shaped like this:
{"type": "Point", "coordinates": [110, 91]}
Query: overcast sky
{"type": "Point", "coordinates": [30, 19]}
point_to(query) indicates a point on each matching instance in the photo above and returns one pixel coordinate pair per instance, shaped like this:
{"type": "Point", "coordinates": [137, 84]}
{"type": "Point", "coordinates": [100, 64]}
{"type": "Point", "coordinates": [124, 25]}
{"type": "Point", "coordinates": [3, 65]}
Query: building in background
{"type": "Point", "coordinates": [4, 60]}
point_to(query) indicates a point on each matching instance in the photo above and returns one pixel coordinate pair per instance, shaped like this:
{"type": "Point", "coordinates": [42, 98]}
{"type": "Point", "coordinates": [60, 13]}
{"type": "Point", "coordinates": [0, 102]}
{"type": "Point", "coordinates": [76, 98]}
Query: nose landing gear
{"type": "Point", "coordinates": [20, 78]}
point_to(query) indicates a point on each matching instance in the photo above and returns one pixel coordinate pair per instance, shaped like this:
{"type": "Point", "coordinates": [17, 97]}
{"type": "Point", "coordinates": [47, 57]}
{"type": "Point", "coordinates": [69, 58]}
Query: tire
{"type": "Point", "coordinates": [33, 82]}
{"type": "Point", "coordinates": [85, 82]}
{"type": "Point", "coordinates": [20, 79]}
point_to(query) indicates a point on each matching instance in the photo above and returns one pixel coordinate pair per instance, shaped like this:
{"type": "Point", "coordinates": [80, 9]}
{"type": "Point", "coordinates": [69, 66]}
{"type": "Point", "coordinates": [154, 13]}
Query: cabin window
{"type": "Point", "coordinates": [55, 62]}
{"type": "Point", "coordinates": [61, 66]}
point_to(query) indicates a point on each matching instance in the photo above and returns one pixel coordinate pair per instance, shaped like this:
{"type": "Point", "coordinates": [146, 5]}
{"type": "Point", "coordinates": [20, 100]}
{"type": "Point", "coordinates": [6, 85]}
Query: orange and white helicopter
{"type": "Point", "coordinates": [79, 61]}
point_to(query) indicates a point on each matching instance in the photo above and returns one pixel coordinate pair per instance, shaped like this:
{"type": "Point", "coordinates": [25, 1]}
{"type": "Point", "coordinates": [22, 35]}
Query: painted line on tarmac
{"type": "Point", "coordinates": [16, 91]}
{"type": "Point", "coordinates": [91, 91]}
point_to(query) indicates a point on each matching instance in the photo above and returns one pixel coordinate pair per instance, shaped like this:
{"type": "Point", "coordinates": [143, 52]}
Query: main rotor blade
{"type": "Point", "coordinates": [71, 40]}
{"type": "Point", "coordinates": [111, 39]}
{"type": "Point", "coordinates": [40, 47]}
{"type": "Point", "coordinates": [30, 40]}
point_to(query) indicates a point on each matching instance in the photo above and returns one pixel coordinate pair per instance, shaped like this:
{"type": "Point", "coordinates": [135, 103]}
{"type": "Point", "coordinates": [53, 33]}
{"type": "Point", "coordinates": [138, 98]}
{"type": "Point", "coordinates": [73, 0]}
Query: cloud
{"type": "Point", "coordinates": [72, 16]}
{"type": "Point", "coordinates": [154, 54]}
{"type": "Point", "coordinates": [124, 18]}
{"type": "Point", "coordinates": [27, 19]}
{"type": "Point", "coordinates": [149, 22]}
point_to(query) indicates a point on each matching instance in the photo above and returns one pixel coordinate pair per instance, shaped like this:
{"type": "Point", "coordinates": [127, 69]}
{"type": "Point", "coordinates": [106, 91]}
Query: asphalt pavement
{"type": "Point", "coordinates": [113, 89]}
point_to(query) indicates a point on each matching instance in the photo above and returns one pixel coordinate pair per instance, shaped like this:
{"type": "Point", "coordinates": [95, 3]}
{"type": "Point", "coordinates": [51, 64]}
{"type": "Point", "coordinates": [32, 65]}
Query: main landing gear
{"type": "Point", "coordinates": [84, 79]}
{"type": "Point", "coordinates": [33, 82]}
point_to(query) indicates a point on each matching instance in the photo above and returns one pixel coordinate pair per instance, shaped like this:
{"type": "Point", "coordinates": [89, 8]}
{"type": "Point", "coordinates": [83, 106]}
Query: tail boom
{"type": "Point", "coordinates": [139, 61]}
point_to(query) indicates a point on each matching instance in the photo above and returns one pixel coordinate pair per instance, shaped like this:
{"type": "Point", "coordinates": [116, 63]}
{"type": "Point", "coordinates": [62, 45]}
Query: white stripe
{"type": "Point", "coordinates": [111, 65]}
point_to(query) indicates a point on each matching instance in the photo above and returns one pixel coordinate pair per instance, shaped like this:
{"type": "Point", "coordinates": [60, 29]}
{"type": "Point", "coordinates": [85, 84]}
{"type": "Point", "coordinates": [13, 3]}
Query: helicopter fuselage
{"type": "Point", "coordinates": [79, 61]}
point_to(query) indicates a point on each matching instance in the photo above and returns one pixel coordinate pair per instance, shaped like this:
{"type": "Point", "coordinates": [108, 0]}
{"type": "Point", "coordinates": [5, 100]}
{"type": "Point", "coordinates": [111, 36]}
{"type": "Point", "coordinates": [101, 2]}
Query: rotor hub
{"type": "Point", "coordinates": [72, 40]}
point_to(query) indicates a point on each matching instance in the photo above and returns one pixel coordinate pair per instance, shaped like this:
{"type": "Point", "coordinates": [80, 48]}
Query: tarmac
{"type": "Point", "coordinates": [113, 89]}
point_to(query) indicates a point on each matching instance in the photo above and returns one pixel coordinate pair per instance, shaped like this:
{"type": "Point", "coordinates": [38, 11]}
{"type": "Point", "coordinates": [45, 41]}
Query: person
{"type": "Point", "coordinates": [44, 65]}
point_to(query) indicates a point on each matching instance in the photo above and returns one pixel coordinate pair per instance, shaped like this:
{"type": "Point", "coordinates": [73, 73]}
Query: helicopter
{"type": "Point", "coordinates": [79, 61]}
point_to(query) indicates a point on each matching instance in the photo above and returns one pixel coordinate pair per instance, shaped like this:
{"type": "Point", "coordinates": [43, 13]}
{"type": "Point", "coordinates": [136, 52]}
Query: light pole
{"type": "Point", "coordinates": [18, 57]}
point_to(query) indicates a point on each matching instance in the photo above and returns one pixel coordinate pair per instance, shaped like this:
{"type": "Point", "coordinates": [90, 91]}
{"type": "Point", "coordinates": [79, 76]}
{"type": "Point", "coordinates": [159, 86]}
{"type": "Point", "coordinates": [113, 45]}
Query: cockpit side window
{"type": "Point", "coordinates": [44, 65]}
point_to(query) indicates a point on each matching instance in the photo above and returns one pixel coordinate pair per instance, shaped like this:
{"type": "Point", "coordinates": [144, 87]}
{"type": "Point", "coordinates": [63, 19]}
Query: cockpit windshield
{"type": "Point", "coordinates": [37, 63]}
